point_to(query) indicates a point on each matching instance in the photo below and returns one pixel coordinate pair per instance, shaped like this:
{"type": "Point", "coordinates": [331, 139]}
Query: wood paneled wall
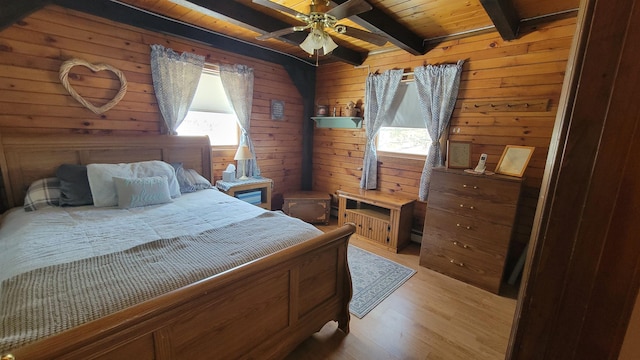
{"type": "Point", "coordinates": [32, 99]}
{"type": "Point", "coordinates": [529, 68]}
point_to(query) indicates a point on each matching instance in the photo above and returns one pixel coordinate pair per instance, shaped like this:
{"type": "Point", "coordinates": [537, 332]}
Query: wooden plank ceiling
{"type": "Point", "coordinates": [415, 26]}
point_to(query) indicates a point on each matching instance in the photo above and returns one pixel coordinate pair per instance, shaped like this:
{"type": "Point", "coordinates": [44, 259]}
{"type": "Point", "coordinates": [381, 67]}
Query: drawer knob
{"type": "Point", "coordinates": [466, 227]}
{"type": "Point", "coordinates": [465, 246]}
{"type": "Point", "coordinates": [457, 263]}
{"type": "Point", "coordinates": [466, 186]}
{"type": "Point", "coordinates": [470, 207]}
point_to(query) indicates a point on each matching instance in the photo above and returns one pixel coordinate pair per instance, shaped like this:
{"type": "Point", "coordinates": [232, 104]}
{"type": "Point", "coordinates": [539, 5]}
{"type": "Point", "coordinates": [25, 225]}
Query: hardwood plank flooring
{"type": "Point", "coordinates": [431, 316]}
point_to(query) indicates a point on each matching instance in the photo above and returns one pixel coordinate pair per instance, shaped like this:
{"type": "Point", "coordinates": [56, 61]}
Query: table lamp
{"type": "Point", "coordinates": [243, 154]}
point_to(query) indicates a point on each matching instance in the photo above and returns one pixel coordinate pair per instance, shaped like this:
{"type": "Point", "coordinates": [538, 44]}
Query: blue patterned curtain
{"type": "Point", "coordinates": [380, 91]}
{"type": "Point", "coordinates": [237, 81]}
{"type": "Point", "coordinates": [437, 92]}
{"type": "Point", "coordinates": [175, 80]}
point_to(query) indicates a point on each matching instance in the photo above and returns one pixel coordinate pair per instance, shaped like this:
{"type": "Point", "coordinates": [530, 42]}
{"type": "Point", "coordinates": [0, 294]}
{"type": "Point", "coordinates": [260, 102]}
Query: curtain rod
{"type": "Point", "coordinates": [410, 73]}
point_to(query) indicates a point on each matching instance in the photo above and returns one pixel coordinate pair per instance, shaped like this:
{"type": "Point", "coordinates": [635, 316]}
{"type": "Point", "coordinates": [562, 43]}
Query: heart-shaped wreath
{"type": "Point", "coordinates": [64, 78]}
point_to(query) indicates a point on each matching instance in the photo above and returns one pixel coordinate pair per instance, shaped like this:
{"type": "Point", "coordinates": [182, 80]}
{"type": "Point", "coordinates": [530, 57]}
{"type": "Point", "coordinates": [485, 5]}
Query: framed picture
{"type": "Point", "coordinates": [458, 154]}
{"type": "Point", "coordinates": [277, 109]}
{"type": "Point", "coordinates": [514, 160]}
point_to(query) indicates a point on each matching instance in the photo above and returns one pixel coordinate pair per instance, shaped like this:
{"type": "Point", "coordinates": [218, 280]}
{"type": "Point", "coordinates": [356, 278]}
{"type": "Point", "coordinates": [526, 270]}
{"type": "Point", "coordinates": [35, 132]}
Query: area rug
{"type": "Point", "coordinates": [374, 278]}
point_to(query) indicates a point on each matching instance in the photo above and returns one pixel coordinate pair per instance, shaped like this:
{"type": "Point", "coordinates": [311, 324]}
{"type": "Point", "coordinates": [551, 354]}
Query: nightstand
{"type": "Point", "coordinates": [256, 191]}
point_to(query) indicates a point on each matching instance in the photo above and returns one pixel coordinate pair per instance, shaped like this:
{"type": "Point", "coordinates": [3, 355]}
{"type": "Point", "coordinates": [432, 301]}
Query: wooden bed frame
{"type": "Point", "coordinates": [262, 309]}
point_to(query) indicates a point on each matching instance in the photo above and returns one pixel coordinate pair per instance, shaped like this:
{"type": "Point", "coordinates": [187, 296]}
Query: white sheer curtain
{"type": "Point", "coordinates": [175, 80]}
{"type": "Point", "coordinates": [380, 91]}
{"type": "Point", "coordinates": [237, 81]}
{"type": "Point", "coordinates": [437, 91]}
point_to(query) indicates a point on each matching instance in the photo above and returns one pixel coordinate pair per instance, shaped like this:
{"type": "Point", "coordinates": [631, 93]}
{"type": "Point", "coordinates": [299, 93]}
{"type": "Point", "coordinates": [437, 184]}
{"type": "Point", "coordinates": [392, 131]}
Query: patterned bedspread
{"type": "Point", "coordinates": [43, 301]}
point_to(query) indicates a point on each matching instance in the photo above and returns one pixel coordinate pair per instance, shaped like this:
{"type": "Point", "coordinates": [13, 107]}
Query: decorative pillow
{"type": "Point", "coordinates": [74, 185]}
{"type": "Point", "coordinates": [137, 192]}
{"type": "Point", "coordinates": [42, 193]}
{"type": "Point", "coordinates": [189, 179]}
{"type": "Point", "coordinates": [197, 181]}
{"type": "Point", "coordinates": [101, 178]}
{"type": "Point", "coordinates": [185, 185]}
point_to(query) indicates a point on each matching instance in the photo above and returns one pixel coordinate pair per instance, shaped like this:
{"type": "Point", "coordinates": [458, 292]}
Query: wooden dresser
{"type": "Point", "coordinates": [383, 219]}
{"type": "Point", "coordinates": [468, 225]}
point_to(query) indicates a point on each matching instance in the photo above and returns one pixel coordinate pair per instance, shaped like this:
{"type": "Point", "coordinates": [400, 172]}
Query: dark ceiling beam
{"type": "Point", "coordinates": [378, 22]}
{"type": "Point", "coordinates": [504, 17]}
{"type": "Point", "coordinates": [12, 10]}
{"type": "Point", "coordinates": [129, 15]}
{"type": "Point", "coordinates": [249, 18]}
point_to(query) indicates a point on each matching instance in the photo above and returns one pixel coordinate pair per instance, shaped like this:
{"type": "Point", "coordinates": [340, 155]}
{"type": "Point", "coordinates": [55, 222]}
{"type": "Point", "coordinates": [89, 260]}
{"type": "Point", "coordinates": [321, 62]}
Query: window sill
{"type": "Point", "coordinates": [224, 147]}
{"type": "Point", "coordinates": [392, 155]}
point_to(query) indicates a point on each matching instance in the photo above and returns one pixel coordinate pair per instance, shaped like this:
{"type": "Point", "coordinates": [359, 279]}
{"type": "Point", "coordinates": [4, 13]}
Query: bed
{"type": "Point", "coordinates": [257, 308]}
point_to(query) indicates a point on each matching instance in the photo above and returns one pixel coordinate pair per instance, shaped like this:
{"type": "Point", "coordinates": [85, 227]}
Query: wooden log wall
{"type": "Point", "coordinates": [527, 69]}
{"type": "Point", "coordinates": [33, 101]}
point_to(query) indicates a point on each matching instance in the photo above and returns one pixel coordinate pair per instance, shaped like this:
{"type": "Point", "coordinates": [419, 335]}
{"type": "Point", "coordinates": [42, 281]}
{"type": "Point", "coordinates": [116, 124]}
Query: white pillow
{"type": "Point", "coordinates": [103, 190]}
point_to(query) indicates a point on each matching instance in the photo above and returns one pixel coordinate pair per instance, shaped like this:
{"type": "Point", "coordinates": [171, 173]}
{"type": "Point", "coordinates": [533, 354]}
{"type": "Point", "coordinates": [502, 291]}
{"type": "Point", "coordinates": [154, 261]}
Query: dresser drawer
{"type": "Point", "coordinates": [475, 187]}
{"type": "Point", "coordinates": [470, 230]}
{"type": "Point", "coordinates": [480, 209]}
{"type": "Point", "coordinates": [465, 250]}
{"type": "Point", "coordinates": [478, 272]}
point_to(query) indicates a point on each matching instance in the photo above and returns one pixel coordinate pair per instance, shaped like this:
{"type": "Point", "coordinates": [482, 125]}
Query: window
{"type": "Point", "coordinates": [210, 113]}
{"type": "Point", "coordinates": [406, 134]}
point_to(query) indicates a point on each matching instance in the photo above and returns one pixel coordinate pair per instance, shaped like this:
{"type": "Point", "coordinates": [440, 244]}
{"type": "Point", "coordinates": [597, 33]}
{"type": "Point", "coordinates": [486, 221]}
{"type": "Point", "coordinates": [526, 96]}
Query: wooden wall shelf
{"type": "Point", "coordinates": [338, 122]}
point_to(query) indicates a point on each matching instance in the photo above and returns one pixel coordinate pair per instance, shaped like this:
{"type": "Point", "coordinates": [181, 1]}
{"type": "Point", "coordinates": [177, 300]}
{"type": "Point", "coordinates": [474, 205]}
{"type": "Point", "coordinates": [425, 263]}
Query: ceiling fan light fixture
{"type": "Point", "coordinates": [318, 39]}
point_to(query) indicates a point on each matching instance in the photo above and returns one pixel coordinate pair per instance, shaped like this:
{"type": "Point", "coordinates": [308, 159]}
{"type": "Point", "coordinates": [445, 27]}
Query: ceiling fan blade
{"type": "Point", "coordinates": [349, 8]}
{"type": "Point", "coordinates": [279, 7]}
{"type": "Point", "coordinates": [364, 35]}
{"type": "Point", "coordinates": [277, 33]}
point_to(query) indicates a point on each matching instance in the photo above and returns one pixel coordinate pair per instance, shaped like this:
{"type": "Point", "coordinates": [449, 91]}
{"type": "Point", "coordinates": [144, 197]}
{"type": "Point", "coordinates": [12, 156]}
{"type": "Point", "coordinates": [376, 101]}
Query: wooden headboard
{"type": "Point", "coordinates": [24, 159]}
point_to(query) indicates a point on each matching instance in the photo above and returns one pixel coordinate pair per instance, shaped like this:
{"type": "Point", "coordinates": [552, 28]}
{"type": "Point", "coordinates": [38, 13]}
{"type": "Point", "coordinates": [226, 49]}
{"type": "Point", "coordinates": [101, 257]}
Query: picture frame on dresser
{"type": "Point", "coordinates": [514, 160]}
{"type": "Point", "coordinates": [458, 154]}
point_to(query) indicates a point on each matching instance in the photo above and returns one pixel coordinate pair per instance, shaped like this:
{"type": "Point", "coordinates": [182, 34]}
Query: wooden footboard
{"type": "Point", "coordinates": [262, 309]}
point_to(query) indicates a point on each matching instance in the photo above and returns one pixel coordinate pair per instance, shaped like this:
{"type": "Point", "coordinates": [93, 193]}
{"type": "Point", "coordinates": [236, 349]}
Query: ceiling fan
{"type": "Point", "coordinates": [316, 22]}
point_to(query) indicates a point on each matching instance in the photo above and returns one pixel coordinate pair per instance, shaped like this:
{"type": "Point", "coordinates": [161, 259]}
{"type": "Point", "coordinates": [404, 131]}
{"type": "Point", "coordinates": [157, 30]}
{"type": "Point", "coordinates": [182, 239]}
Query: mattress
{"type": "Point", "coordinates": [205, 233]}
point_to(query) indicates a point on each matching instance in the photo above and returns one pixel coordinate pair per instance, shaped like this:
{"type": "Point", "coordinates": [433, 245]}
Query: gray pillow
{"type": "Point", "coordinates": [137, 192]}
{"type": "Point", "coordinates": [74, 185]}
{"type": "Point", "coordinates": [189, 179]}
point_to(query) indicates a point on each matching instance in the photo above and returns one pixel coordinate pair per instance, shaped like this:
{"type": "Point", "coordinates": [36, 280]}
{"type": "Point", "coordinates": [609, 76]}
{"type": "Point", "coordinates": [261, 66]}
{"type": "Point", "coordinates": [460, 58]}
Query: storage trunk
{"type": "Point", "coordinates": [310, 206]}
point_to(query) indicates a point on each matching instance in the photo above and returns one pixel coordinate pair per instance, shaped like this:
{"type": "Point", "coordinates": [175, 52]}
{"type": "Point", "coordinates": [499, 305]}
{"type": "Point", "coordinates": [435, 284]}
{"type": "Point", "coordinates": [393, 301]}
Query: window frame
{"type": "Point", "coordinates": [400, 155]}
{"type": "Point", "coordinates": [214, 69]}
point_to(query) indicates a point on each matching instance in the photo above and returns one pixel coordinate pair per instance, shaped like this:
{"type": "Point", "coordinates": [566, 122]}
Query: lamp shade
{"type": "Point", "coordinates": [243, 153]}
{"type": "Point", "coordinates": [329, 45]}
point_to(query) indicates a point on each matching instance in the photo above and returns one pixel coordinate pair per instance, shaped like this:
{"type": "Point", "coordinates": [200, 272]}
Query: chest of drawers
{"type": "Point", "coordinates": [468, 225]}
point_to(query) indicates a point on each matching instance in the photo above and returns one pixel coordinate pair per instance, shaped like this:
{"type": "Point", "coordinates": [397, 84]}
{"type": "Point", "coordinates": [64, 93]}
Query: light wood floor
{"type": "Point", "coordinates": [431, 316]}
